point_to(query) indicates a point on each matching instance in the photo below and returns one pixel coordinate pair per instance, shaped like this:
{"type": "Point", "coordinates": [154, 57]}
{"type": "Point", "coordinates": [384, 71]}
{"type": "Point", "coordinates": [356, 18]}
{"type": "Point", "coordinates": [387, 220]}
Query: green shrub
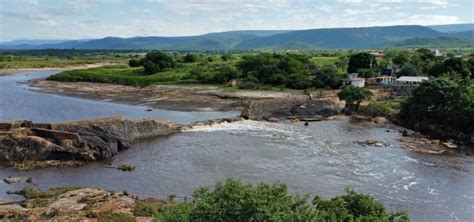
{"type": "Point", "coordinates": [180, 213]}
{"type": "Point", "coordinates": [233, 200]}
{"type": "Point", "coordinates": [382, 108]}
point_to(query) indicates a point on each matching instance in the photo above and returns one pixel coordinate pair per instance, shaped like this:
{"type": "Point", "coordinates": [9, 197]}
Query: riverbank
{"type": "Point", "coordinates": [5, 72]}
{"type": "Point", "coordinates": [170, 97]}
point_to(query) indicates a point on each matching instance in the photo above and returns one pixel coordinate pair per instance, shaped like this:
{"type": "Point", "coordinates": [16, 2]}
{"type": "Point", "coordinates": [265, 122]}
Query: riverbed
{"type": "Point", "coordinates": [322, 158]}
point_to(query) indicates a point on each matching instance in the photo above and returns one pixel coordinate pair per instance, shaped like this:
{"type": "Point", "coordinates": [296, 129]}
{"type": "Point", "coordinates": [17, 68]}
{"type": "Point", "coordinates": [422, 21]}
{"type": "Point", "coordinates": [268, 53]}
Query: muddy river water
{"type": "Point", "coordinates": [322, 158]}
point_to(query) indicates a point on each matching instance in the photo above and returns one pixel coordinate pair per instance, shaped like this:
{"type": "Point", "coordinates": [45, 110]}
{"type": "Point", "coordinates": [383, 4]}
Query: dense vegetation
{"type": "Point", "coordinates": [300, 70]}
{"type": "Point", "coordinates": [233, 200]}
{"type": "Point", "coordinates": [441, 103]}
{"type": "Point", "coordinates": [256, 70]}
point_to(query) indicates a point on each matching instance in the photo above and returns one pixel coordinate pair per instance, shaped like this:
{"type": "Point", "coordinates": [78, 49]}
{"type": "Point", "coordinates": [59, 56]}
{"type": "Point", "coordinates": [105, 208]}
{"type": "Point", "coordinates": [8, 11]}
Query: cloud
{"type": "Point", "coordinates": [99, 18]}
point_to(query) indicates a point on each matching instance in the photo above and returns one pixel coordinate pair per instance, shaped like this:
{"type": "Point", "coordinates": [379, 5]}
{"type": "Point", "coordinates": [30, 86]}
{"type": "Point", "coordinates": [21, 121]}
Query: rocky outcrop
{"type": "Point", "coordinates": [291, 106]}
{"type": "Point", "coordinates": [77, 143]}
{"type": "Point", "coordinates": [128, 130]}
{"type": "Point", "coordinates": [86, 204]}
{"type": "Point", "coordinates": [85, 140]}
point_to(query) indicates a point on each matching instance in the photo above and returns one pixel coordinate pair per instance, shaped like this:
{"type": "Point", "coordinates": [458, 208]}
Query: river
{"type": "Point", "coordinates": [322, 158]}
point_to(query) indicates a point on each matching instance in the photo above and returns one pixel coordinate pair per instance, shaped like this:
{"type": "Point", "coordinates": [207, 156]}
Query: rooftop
{"type": "Point", "coordinates": [412, 78]}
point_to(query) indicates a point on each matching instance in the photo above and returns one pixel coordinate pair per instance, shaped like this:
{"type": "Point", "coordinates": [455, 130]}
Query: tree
{"type": "Point", "coordinates": [470, 63]}
{"type": "Point", "coordinates": [135, 63]}
{"type": "Point", "coordinates": [190, 58]}
{"type": "Point", "coordinates": [342, 62]}
{"type": "Point", "coordinates": [226, 73]}
{"type": "Point", "coordinates": [157, 62]}
{"type": "Point", "coordinates": [408, 70]}
{"type": "Point", "coordinates": [354, 96]}
{"type": "Point", "coordinates": [328, 76]}
{"type": "Point", "coordinates": [423, 59]}
{"type": "Point", "coordinates": [200, 74]}
{"type": "Point", "coordinates": [226, 57]}
{"type": "Point", "coordinates": [290, 70]}
{"type": "Point", "coordinates": [150, 67]}
{"type": "Point", "coordinates": [367, 73]}
{"type": "Point", "coordinates": [454, 68]}
{"type": "Point", "coordinates": [400, 59]}
{"type": "Point", "coordinates": [361, 60]}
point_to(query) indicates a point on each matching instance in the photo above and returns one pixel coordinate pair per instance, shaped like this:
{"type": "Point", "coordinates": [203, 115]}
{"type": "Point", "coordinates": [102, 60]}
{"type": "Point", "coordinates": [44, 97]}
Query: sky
{"type": "Point", "coordinates": [79, 19]}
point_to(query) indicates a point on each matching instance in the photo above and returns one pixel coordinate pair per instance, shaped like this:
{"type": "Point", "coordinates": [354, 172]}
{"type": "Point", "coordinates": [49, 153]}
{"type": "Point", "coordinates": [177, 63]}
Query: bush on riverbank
{"type": "Point", "coordinates": [381, 108]}
{"type": "Point", "coordinates": [440, 105]}
{"type": "Point", "coordinates": [233, 200]}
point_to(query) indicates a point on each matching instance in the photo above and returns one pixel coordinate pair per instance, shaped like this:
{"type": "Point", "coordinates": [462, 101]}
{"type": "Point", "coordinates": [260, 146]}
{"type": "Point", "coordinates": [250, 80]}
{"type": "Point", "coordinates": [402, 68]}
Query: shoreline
{"type": "Point", "coordinates": [186, 98]}
{"type": "Point", "coordinates": [7, 72]}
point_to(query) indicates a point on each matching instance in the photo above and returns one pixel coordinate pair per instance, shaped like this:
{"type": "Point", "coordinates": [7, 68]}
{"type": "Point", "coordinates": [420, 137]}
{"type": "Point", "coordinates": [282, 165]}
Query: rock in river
{"type": "Point", "coordinates": [75, 143]}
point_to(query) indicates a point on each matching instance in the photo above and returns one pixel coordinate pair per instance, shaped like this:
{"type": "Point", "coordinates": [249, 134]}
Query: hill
{"type": "Point", "coordinates": [465, 34]}
{"type": "Point", "coordinates": [341, 38]}
{"type": "Point", "coordinates": [211, 41]}
{"type": "Point", "coordinates": [440, 42]}
{"type": "Point", "coordinates": [331, 38]}
{"type": "Point", "coordinates": [453, 27]}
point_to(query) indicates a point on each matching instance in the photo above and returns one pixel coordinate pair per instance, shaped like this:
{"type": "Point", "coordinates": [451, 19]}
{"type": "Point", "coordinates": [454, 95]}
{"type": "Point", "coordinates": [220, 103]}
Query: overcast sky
{"type": "Point", "coordinates": [75, 19]}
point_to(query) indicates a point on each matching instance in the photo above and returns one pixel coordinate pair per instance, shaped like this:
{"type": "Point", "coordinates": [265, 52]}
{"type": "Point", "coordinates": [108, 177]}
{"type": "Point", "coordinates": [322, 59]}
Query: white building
{"type": "Point", "coordinates": [411, 80]}
{"type": "Point", "coordinates": [358, 82]}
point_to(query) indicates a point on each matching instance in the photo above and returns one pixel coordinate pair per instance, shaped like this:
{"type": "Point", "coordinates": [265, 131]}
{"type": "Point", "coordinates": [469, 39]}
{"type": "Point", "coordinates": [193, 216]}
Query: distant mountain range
{"type": "Point", "coordinates": [457, 35]}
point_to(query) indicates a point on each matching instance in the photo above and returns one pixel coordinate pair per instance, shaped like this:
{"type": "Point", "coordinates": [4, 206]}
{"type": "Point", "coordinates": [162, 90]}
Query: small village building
{"type": "Point", "coordinates": [358, 82]}
{"type": "Point", "coordinates": [436, 52]}
{"type": "Point", "coordinates": [377, 54]}
{"type": "Point", "coordinates": [381, 80]}
{"type": "Point", "coordinates": [353, 75]}
{"type": "Point", "coordinates": [411, 80]}
{"type": "Point", "coordinates": [385, 80]}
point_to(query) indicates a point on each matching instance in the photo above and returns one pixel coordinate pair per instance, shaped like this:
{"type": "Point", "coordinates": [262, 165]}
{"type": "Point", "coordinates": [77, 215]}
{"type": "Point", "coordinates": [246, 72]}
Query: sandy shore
{"type": "Point", "coordinates": [171, 97]}
{"type": "Point", "coordinates": [4, 72]}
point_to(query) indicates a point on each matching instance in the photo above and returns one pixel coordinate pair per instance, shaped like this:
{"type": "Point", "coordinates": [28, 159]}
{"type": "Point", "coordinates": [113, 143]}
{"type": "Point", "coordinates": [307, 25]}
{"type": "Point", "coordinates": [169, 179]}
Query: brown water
{"type": "Point", "coordinates": [321, 159]}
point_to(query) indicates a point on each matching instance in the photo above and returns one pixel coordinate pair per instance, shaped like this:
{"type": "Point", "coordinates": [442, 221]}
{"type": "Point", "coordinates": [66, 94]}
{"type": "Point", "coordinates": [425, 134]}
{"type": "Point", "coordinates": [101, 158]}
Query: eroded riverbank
{"type": "Point", "coordinates": [179, 98]}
